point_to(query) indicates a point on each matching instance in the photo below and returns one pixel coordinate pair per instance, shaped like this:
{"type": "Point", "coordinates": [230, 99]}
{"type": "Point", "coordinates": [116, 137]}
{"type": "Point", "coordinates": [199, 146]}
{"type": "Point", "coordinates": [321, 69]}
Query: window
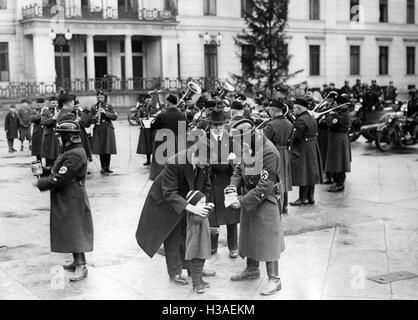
{"type": "Point", "coordinates": [410, 60]}
{"type": "Point", "coordinates": [4, 61]}
{"type": "Point", "coordinates": [314, 60]}
{"type": "Point", "coordinates": [211, 61]}
{"type": "Point", "coordinates": [384, 60]}
{"type": "Point", "coordinates": [355, 60]}
{"type": "Point", "coordinates": [354, 10]}
{"type": "Point", "coordinates": [410, 12]}
{"type": "Point", "coordinates": [313, 9]}
{"type": "Point", "coordinates": [3, 4]}
{"type": "Point", "coordinates": [100, 46]}
{"type": "Point", "coordinates": [209, 7]}
{"type": "Point", "coordinates": [245, 7]}
{"type": "Point", "coordinates": [172, 6]}
{"type": "Point", "coordinates": [383, 9]}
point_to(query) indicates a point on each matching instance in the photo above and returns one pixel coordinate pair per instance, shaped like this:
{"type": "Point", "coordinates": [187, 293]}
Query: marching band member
{"type": "Point", "coordinates": [169, 119]}
{"type": "Point", "coordinates": [104, 142]}
{"type": "Point", "coordinates": [49, 140]}
{"type": "Point", "coordinates": [306, 160]}
{"type": "Point", "coordinates": [37, 131]}
{"type": "Point", "coordinates": [338, 160]}
{"type": "Point", "coordinates": [280, 132]}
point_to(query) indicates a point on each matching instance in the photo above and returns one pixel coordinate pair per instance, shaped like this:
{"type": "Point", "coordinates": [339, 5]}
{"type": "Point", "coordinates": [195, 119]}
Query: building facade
{"type": "Point", "coordinates": [130, 45]}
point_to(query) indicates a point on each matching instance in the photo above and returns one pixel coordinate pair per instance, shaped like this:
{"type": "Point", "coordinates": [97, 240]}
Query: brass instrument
{"type": "Point", "coordinates": [192, 89]}
{"type": "Point", "coordinates": [324, 101]}
{"type": "Point", "coordinates": [226, 88]}
{"type": "Point", "coordinates": [320, 115]}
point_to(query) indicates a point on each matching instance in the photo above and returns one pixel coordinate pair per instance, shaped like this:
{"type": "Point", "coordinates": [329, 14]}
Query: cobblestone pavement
{"type": "Point", "coordinates": [331, 248]}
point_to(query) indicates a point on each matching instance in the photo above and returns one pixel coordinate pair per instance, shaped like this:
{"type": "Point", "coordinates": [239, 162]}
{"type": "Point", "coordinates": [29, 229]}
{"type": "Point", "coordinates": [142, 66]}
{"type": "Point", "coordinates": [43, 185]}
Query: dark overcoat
{"type": "Point", "coordinates": [71, 220]}
{"type": "Point", "coordinates": [50, 145]}
{"type": "Point", "coordinates": [339, 148]}
{"type": "Point", "coordinates": [220, 175]}
{"type": "Point", "coordinates": [37, 133]}
{"type": "Point", "coordinates": [145, 141]}
{"type": "Point", "coordinates": [198, 244]}
{"type": "Point", "coordinates": [261, 231]}
{"type": "Point", "coordinates": [323, 135]}
{"type": "Point", "coordinates": [280, 132]}
{"type": "Point", "coordinates": [11, 124]}
{"type": "Point", "coordinates": [305, 156]}
{"type": "Point", "coordinates": [104, 140]}
{"type": "Point", "coordinates": [165, 204]}
{"type": "Point", "coordinates": [169, 120]}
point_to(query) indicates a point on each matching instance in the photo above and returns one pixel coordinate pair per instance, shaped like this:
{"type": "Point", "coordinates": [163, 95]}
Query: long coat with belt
{"type": "Point", "coordinates": [50, 147]}
{"type": "Point", "coordinates": [71, 225]}
{"type": "Point", "coordinates": [220, 175]}
{"type": "Point", "coordinates": [339, 148]}
{"type": "Point", "coordinates": [280, 132]}
{"type": "Point", "coordinates": [11, 125]}
{"type": "Point", "coordinates": [168, 120]}
{"type": "Point", "coordinates": [104, 140]}
{"type": "Point", "coordinates": [261, 231]}
{"type": "Point", "coordinates": [37, 134]}
{"type": "Point", "coordinates": [305, 156]}
{"type": "Point", "coordinates": [165, 204]}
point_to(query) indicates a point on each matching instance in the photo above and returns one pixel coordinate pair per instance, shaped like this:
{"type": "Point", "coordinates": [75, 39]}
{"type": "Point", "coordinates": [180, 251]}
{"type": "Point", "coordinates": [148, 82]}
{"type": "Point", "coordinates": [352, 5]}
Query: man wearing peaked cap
{"type": "Point", "coordinates": [305, 158]}
{"type": "Point", "coordinates": [280, 132]}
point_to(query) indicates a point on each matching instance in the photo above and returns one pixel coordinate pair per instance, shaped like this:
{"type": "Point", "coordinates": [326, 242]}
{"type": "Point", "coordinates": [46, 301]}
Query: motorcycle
{"type": "Point", "coordinates": [373, 119]}
{"type": "Point", "coordinates": [396, 129]}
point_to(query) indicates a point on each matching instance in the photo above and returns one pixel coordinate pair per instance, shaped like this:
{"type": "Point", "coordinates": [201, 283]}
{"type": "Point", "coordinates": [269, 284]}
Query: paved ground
{"type": "Point", "coordinates": [369, 230]}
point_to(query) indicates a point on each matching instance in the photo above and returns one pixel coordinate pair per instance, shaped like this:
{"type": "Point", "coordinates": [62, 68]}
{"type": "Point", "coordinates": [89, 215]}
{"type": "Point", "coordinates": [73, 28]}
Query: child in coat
{"type": "Point", "coordinates": [198, 241]}
{"type": "Point", "coordinates": [11, 126]}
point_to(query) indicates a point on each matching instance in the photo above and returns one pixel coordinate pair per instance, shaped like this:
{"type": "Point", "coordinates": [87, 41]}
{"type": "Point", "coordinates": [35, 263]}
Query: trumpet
{"type": "Point", "coordinates": [99, 113]}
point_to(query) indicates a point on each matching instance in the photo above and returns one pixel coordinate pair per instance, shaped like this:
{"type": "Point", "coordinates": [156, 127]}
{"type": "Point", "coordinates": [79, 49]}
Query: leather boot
{"type": "Point", "coordinates": [70, 267]}
{"type": "Point", "coordinates": [274, 283]}
{"type": "Point", "coordinates": [80, 273]}
{"type": "Point", "coordinates": [214, 239]}
{"type": "Point", "coordinates": [252, 272]}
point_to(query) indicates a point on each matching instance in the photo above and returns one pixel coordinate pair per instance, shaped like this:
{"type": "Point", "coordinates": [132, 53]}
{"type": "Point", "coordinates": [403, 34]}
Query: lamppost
{"type": "Point", "coordinates": [60, 41]}
{"type": "Point", "coordinates": [214, 40]}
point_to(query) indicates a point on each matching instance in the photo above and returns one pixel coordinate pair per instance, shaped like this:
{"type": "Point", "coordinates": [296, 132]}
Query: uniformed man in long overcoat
{"type": "Point", "coordinates": [71, 223]}
{"type": "Point", "coordinates": [168, 120]}
{"type": "Point", "coordinates": [38, 130]}
{"type": "Point", "coordinates": [306, 162]}
{"type": "Point", "coordinates": [11, 126]}
{"type": "Point", "coordinates": [338, 160]}
{"type": "Point", "coordinates": [163, 217]}
{"type": "Point", "coordinates": [258, 184]}
{"type": "Point", "coordinates": [221, 172]}
{"type": "Point", "coordinates": [49, 140]}
{"type": "Point", "coordinates": [104, 142]}
{"type": "Point", "coordinates": [280, 132]}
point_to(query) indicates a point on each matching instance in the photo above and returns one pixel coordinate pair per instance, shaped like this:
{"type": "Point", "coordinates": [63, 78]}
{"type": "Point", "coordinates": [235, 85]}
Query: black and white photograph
{"type": "Point", "coordinates": [228, 152]}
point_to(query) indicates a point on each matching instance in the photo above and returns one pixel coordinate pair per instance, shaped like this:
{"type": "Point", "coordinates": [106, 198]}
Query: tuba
{"type": "Point", "coordinates": [192, 89]}
{"type": "Point", "coordinates": [226, 88]}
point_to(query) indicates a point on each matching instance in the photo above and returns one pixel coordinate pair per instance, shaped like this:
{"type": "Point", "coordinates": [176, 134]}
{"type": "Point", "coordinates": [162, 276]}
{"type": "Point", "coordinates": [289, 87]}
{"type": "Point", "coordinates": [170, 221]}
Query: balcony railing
{"type": "Point", "coordinates": [112, 85]}
{"type": "Point", "coordinates": [99, 12]}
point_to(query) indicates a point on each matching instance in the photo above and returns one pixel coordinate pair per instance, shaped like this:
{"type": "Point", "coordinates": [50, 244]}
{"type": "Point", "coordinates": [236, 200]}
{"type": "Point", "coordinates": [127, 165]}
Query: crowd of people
{"type": "Point", "coordinates": [194, 193]}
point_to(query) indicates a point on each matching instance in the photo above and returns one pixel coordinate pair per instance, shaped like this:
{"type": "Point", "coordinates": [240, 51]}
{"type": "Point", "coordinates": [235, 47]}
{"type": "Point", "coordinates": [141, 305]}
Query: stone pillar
{"type": "Point", "coordinates": [91, 69]}
{"type": "Point", "coordinates": [129, 74]}
{"type": "Point", "coordinates": [43, 58]}
{"type": "Point", "coordinates": [169, 52]}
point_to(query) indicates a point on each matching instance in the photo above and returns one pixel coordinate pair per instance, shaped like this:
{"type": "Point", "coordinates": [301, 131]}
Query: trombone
{"type": "Point", "coordinates": [324, 101]}
{"type": "Point", "coordinates": [320, 115]}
